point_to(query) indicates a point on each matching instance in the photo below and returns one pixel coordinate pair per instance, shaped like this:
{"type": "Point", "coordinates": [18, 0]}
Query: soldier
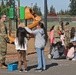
{"type": "Point", "coordinates": [3, 43]}
{"type": "Point", "coordinates": [67, 33]}
{"type": "Point", "coordinates": [58, 30]}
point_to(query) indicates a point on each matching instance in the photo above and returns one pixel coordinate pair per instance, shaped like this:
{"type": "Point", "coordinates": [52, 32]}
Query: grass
{"type": "Point", "coordinates": [50, 24]}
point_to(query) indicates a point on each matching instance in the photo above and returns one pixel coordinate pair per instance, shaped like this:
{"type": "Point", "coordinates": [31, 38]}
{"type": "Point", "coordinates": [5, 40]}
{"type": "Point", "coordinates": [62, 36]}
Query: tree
{"type": "Point", "coordinates": [61, 12]}
{"type": "Point", "coordinates": [2, 4]}
{"type": "Point", "coordinates": [2, 7]}
{"type": "Point", "coordinates": [47, 10]}
{"type": "Point", "coordinates": [67, 12]}
{"type": "Point", "coordinates": [37, 10]}
{"type": "Point", "coordinates": [52, 9]}
{"type": "Point", "coordinates": [72, 7]}
{"type": "Point", "coordinates": [11, 3]}
{"type": "Point", "coordinates": [5, 4]}
{"type": "Point", "coordinates": [40, 12]}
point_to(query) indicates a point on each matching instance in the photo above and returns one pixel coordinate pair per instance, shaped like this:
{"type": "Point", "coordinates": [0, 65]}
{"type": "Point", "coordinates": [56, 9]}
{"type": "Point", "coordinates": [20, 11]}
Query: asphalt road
{"type": "Point", "coordinates": [54, 67]}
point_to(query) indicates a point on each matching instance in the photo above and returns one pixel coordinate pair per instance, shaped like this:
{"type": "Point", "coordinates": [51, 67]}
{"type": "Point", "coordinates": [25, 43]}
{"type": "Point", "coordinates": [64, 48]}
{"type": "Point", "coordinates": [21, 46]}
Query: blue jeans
{"type": "Point", "coordinates": [41, 59]}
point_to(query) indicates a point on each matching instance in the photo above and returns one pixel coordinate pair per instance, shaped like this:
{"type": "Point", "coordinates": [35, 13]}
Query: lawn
{"type": "Point", "coordinates": [50, 24]}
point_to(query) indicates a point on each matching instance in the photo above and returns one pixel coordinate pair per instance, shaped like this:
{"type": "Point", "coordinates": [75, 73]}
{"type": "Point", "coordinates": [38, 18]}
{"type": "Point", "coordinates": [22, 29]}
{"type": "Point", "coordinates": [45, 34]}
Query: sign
{"type": "Point", "coordinates": [22, 14]}
{"type": "Point", "coordinates": [11, 12]}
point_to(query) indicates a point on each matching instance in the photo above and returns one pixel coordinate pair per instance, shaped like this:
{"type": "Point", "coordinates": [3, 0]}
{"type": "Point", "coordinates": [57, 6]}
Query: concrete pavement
{"type": "Point", "coordinates": [54, 67]}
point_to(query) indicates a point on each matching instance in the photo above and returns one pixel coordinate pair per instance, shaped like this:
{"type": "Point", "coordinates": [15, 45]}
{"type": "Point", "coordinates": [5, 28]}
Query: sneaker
{"type": "Point", "coordinates": [69, 58]}
{"type": "Point", "coordinates": [73, 59]}
{"type": "Point", "coordinates": [21, 70]}
{"type": "Point", "coordinates": [43, 69]}
{"type": "Point", "coordinates": [25, 70]}
{"type": "Point", "coordinates": [49, 56]}
{"type": "Point", "coordinates": [38, 70]}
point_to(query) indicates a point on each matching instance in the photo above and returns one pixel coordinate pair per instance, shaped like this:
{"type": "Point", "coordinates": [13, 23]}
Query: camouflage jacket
{"type": "Point", "coordinates": [3, 31]}
{"type": "Point", "coordinates": [67, 31]}
{"type": "Point", "coordinates": [56, 28]}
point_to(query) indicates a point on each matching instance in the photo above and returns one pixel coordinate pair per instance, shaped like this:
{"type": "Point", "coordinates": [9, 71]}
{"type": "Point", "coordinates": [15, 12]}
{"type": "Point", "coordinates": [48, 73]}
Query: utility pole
{"type": "Point", "coordinates": [12, 5]}
{"type": "Point", "coordinates": [18, 11]}
{"type": "Point", "coordinates": [45, 14]}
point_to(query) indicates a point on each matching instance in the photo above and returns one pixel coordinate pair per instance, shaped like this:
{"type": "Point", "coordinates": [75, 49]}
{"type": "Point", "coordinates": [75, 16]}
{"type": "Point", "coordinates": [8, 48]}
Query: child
{"type": "Point", "coordinates": [51, 37]}
{"type": "Point", "coordinates": [71, 52]}
{"type": "Point", "coordinates": [21, 47]}
{"type": "Point", "coordinates": [40, 42]}
{"type": "Point", "coordinates": [62, 37]}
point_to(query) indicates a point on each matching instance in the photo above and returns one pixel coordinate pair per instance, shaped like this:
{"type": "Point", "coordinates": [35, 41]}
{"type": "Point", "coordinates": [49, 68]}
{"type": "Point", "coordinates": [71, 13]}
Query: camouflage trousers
{"type": "Point", "coordinates": [67, 40]}
{"type": "Point", "coordinates": [3, 48]}
{"type": "Point", "coordinates": [2, 56]}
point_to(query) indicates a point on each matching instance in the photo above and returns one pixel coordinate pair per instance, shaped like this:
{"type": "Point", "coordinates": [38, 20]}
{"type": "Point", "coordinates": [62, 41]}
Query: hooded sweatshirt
{"type": "Point", "coordinates": [39, 37]}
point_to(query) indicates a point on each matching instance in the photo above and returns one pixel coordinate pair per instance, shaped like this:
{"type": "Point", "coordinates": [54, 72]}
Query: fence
{"type": "Point", "coordinates": [54, 20]}
{"type": "Point", "coordinates": [58, 18]}
{"type": "Point", "coordinates": [50, 21]}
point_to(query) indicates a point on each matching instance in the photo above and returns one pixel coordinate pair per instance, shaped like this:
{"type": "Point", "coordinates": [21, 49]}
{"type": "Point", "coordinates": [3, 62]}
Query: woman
{"type": "Point", "coordinates": [40, 41]}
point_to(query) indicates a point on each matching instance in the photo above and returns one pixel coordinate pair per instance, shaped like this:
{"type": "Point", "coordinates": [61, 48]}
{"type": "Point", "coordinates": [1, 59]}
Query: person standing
{"type": "Point", "coordinates": [67, 33]}
{"type": "Point", "coordinates": [40, 42]}
{"type": "Point", "coordinates": [3, 42]}
{"type": "Point", "coordinates": [72, 34]}
{"type": "Point", "coordinates": [58, 30]}
{"type": "Point", "coordinates": [21, 47]}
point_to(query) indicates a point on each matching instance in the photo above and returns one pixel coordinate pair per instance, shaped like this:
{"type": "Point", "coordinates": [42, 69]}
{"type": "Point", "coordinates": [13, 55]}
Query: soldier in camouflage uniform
{"type": "Point", "coordinates": [56, 29]}
{"type": "Point", "coordinates": [3, 43]}
{"type": "Point", "coordinates": [67, 33]}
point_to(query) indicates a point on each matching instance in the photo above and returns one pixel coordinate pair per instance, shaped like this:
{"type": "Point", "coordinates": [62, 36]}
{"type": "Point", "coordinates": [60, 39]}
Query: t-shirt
{"type": "Point", "coordinates": [51, 36]}
{"type": "Point", "coordinates": [18, 47]}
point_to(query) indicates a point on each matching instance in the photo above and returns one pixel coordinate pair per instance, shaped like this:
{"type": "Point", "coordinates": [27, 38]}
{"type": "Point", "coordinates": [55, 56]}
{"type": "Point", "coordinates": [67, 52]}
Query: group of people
{"type": "Point", "coordinates": [62, 39]}
{"type": "Point", "coordinates": [21, 44]}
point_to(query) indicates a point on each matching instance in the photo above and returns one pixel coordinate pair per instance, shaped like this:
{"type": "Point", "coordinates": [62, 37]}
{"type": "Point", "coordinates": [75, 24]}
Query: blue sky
{"type": "Point", "coordinates": [57, 4]}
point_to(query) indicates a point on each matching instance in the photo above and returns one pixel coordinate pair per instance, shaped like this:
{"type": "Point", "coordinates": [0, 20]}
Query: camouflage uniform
{"type": "Point", "coordinates": [67, 34]}
{"type": "Point", "coordinates": [56, 35]}
{"type": "Point", "coordinates": [3, 43]}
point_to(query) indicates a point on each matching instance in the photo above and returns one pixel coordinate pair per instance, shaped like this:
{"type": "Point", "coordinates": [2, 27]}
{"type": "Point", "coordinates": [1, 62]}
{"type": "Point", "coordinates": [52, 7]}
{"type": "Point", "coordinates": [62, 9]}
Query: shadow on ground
{"type": "Point", "coordinates": [47, 66]}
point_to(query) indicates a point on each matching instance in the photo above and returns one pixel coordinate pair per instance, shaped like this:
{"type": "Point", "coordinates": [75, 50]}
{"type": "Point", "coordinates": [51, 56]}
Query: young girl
{"type": "Point", "coordinates": [40, 41]}
{"type": "Point", "coordinates": [71, 52]}
{"type": "Point", "coordinates": [51, 37]}
{"type": "Point", "coordinates": [21, 47]}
